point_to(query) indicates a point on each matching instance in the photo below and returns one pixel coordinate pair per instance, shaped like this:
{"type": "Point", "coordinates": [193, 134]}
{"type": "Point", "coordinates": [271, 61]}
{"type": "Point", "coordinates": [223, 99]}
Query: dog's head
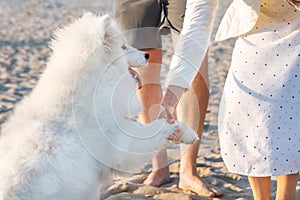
{"type": "Point", "coordinates": [100, 37]}
{"type": "Point", "coordinates": [113, 39]}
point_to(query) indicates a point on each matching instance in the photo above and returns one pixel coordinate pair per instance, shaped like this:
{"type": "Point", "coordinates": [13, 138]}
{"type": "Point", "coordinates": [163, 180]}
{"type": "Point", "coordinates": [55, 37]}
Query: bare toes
{"type": "Point", "coordinates": [195, 184]}
{"type": "Point", "coordinates": [204, 192]}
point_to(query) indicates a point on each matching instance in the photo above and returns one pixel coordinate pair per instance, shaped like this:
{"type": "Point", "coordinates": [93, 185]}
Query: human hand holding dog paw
{"type": "Point", "coordinates": [182, 133]}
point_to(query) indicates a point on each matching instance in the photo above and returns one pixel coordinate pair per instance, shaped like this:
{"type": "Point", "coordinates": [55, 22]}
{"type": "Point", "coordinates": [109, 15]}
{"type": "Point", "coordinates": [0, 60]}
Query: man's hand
{"type": "Point", "coordinates": [170, 101]}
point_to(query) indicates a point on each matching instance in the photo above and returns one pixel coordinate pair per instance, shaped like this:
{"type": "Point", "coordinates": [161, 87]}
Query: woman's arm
{"type": "Point", "coordinates": [192, 43]}
{"type": "Point", "coordinates": [190, 50]}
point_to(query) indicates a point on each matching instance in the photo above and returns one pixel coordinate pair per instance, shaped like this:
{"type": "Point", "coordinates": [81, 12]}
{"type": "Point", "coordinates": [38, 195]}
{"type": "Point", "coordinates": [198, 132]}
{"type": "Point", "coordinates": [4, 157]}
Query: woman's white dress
{"type": "Point", "coordinates": [259, 118]}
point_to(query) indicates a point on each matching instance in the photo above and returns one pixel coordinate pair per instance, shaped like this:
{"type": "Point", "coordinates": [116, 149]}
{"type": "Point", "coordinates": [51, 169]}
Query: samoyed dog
{"type": "Point", "coordinates": [65, 138]}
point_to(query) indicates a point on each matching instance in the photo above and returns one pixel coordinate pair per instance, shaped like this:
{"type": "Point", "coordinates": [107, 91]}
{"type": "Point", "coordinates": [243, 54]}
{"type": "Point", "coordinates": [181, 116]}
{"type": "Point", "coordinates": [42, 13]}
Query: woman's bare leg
{"type": "Point", "coordinates": [286, 187]}
{"type": "Point", "coordinates": [261, 187]}
{"type": "Point", "coordinates": [192, 110]}
{"type": "Point", "coordinates": [151, 96]}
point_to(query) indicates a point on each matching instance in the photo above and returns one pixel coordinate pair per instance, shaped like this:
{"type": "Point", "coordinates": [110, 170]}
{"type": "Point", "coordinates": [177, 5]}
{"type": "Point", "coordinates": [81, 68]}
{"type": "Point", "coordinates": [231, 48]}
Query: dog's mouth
{"type": "Point", "coordinates": [136, 76]}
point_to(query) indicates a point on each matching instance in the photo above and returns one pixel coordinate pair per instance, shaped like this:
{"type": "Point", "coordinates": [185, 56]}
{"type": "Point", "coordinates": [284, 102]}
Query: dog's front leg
{"type": "Point", "coordinates": [178, 132]}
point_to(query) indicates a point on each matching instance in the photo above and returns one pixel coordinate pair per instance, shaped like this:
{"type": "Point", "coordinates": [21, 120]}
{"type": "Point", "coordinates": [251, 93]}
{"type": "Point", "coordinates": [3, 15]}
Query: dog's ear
{"type": "Point", "coordinates": [106, 22]}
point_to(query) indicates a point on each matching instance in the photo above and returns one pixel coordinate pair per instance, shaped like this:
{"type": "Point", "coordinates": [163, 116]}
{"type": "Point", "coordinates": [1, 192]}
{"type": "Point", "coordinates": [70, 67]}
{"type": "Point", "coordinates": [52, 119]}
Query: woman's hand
{"type": "Point", "coordinates": [170, 101]}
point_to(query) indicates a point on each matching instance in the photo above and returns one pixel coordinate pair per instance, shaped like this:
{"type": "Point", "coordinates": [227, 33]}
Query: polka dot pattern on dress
{"type": "Point", "coordinates": [259, 119]}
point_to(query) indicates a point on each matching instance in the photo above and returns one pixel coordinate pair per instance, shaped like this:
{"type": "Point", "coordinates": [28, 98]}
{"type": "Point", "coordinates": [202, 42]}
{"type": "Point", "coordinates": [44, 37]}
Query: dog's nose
{"type": "Point", "coordinates": [147, 56]}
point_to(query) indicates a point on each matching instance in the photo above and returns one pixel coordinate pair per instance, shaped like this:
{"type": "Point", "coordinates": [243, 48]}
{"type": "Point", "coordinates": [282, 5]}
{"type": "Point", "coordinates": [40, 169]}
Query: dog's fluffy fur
{"type": "Point", "coordinates": [64, 138]}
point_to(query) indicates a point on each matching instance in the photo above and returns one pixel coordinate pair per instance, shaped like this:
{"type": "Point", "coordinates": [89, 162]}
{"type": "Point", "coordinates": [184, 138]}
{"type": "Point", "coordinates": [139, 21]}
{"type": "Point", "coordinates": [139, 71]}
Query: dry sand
{"type": "Point", "coordinates": [26, 27]}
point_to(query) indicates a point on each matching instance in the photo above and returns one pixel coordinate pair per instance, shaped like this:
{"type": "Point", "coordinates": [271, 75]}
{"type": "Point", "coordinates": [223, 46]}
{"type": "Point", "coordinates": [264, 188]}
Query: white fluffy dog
{"type": "Point", "coordinates": [64, 138]}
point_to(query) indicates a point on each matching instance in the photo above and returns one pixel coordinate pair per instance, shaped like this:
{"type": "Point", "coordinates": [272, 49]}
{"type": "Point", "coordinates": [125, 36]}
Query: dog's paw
{"type": "Point", "coordinates": [189, 136]}
{"type": "Point", "coordinates": [182, 133]}
{"type": "Point", "coordinates": [176, 135]}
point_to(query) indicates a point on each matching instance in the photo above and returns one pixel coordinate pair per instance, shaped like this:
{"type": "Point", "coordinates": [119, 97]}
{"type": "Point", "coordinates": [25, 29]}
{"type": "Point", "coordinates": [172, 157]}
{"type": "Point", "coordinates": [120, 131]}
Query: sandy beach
{"type": "Point", "coordinates": [27, 27]}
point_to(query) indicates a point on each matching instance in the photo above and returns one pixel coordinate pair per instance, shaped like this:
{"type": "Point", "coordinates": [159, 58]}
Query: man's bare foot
{"type": "Point", "coordinates": [158, 177]}
{"type": "Point", "coordinates": [195, 184]}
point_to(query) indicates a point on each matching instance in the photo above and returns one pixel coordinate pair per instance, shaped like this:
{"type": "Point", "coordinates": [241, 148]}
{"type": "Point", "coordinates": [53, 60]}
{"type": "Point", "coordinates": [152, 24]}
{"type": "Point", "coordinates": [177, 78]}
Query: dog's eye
{"type": "Point", "coordinates": [124, 46]}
